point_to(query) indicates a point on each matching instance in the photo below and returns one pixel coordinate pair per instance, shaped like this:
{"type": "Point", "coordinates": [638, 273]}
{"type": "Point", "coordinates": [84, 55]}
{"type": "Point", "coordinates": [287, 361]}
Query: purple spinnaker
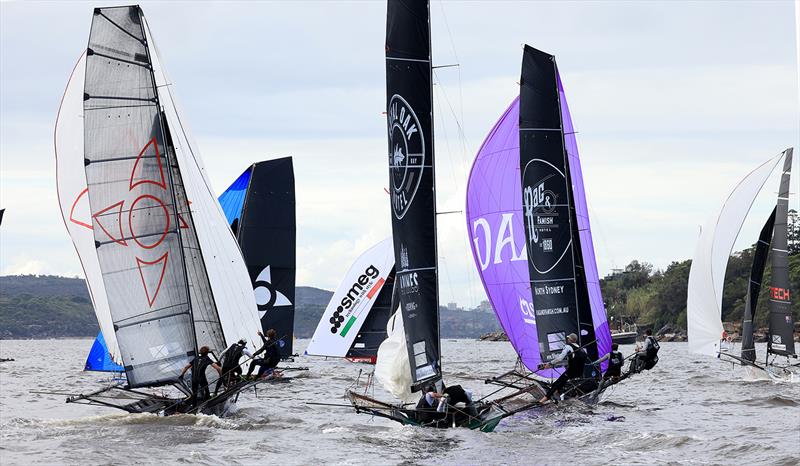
{"type": "Point", "coordinates": [494, 222]}
{"type": "Point", "coordinates": [495, 225]}
{"type": "Point", "coordinates": [601, 330]}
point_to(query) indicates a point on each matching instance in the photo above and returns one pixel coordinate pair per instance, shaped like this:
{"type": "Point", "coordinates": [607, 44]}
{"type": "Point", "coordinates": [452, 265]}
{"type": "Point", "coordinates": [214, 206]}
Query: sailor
{"type": "Point", "coordinates": [646, 357]}
{"type": "Point", "coordinates": [198, 365]}
{"type": "Point", "coordinates": [272, 356]}
{"type": "Point", "coordinates": [230, 363]}
{"type": "Point", "coordinates": [575, 359]}
{"type": "Point", "coordinates": [615, 361]}
{"type": "Point", "coordinates": [429, 404]}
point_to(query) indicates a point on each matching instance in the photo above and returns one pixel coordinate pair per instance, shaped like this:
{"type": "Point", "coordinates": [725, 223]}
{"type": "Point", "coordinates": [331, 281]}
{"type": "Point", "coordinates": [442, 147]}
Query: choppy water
{"type": "Point", "coordinates": [688, 410]}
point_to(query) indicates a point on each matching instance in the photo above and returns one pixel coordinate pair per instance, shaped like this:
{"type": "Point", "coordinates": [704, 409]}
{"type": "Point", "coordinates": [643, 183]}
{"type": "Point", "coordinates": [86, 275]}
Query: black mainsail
{"type": "Point", "coordinates": [267, 235]}
{"type": "Point", "coordinates": [554, 254]}
{"type": "Point", "coordinates": [754, 288]}
{"type": "Point", "coordinates": [781, 324]}
{"type": "Point", "coordinates": [411, 175]}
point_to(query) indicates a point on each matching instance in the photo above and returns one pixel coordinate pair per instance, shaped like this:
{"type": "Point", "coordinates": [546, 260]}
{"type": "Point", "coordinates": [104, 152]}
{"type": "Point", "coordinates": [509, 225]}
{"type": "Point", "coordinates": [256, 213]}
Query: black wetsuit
{"type": "Point", "coordinates": [647, 359]}
{"type": "Point", "coordinates": [615, 362]}
{"type": "Point", "coordinates": [200, 390]}
{"type": "Point", "coordinates": [272, 356]}
{"type": "Point", "coordinates": [230, 365]}
{"type": "Point", "coordinates": [576, 361]}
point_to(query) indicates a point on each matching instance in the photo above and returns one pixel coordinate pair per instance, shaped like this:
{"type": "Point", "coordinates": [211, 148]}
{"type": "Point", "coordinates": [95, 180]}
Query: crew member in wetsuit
{"type": "Point", "coordinates": [647, 356]}
{"type": "Point", "coordinates": [575, 358]}
{"type": "Point", "coordinates": [272, 356]}
{"type": "Point", "coordinates": [615, 361]}
{"type": "Point", "coordinates": [198, 365]}
{"type": "Point", "coordinates": [230, 363]}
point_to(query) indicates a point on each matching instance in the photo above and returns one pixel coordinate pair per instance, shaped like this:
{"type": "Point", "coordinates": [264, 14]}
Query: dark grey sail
{"type": "Point", "coordinates": [754, 288]}
{"type": "Point", "coordinates": [558, 286]}
{"type": "Point", "coordinates": [411, 177]}
{"type": "Point", "coordinates": [781, 324]}
{"type": "Point", "coordinates": [153, 271]}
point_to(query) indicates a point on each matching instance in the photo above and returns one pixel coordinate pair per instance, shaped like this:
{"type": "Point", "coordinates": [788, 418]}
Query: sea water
{"type": "Point", "coordinates": [687, 410]}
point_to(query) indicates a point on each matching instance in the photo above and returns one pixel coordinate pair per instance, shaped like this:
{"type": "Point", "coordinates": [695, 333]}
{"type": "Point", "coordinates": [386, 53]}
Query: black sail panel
{"type": "Point", "coordinates": [411, 178]}
{"type": "Point", "coordinates": [781, 324]}
{"type": "Point", "coordinates": [754, 287]}
{"type": "Point", "coordinates": [373, 331]}
{"type": "Point", "coordinates": [267, 236]}
{"type": "Point", "coordinates": [547, 210]}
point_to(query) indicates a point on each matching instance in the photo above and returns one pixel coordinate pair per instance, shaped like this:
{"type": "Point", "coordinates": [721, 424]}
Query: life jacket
{"type": "Point", "coordinates": [616, 360]}
{"type": "Point", "coordinates": [231, 356]}
{"type": "Point", "coordinates": [651, 356]}
{"type": "Point", "coordinates": [576, 360]}
{"type": "Point", "coordinates": [199, 366]}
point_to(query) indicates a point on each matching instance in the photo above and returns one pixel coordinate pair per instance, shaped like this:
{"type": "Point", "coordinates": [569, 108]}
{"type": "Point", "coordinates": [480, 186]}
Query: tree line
{"type": "Point", "coordinates": [655, 298]}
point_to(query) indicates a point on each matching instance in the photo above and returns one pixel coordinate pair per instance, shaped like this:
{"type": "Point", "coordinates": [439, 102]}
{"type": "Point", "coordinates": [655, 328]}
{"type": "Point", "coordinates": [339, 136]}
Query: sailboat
{"type": "Point", "coordinates": [354, 323]}
{"type": "Point", "coordinates": [260, 209]}
{"type": "Point", "coordinates": [410, 358]}
{"type": "Point", "coordinates": [528, 222]}
{"type": "Point", "coordinates": [707, 276]}
{"type": "Point", "coordinates": [164, 271]}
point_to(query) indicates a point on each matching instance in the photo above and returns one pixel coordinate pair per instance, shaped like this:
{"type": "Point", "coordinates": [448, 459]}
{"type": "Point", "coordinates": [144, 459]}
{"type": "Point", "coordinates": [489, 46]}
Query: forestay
{"type": "Point", "coordinates": [353, 301]}
{"type": "Point", "coordinates": [707, 274]}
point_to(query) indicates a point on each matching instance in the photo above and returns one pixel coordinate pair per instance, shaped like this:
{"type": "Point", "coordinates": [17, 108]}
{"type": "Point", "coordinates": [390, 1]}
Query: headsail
{"type": "Point", "coordinates": [754, 288]}
{"type": "Point", "coordinates": [366, 289]}
{"type": "Point", "coordinates": [559, 290]}
{"type": "Point", "coordinates": [707, 274]}
{"type": "Point", "coordinates": [781, 324]}
{"type": "Point", "coordinates": [411, 176]}
{"type": "Point", "coordinates": [74, 202]}
{"type": "Point", "coordinates": [225, 267]}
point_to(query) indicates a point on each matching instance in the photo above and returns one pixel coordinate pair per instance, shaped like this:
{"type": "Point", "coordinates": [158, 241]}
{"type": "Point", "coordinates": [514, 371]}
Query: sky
{"type": "Point", "coordinates": [673, 102]}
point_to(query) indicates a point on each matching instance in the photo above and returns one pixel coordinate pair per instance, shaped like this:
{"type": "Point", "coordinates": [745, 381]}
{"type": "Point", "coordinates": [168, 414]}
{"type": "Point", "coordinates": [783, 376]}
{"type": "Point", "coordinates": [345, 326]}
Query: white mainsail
{"type": "Point", "coordinates": [351, 303]}
{"type": "Point", "coordinates": [707, 274]}
{"type": "Point", "coordinates": [74, 202]}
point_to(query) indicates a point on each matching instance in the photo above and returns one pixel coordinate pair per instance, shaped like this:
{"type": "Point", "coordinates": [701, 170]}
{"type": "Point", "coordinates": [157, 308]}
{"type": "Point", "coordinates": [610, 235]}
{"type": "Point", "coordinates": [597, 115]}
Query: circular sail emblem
{"type": "Point", "coordinates": [406, 154]}
{"type": "Point", "coordinates": [547, 225]}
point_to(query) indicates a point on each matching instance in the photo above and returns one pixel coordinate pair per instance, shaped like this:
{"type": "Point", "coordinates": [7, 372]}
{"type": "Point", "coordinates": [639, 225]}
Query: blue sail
{"type": "Point", "coordinates": [99, 359]}
{"type": "Point", "coordinates": [232, 200]}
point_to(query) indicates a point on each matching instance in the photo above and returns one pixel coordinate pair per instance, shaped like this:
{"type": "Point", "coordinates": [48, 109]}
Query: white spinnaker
{"type": "Point", "coordinates": [71, 188]}
{"type": "Point", "coordinates": [372, 269]}
{"type": "Point", "coordinates": [707, 274]}
{"type": "Point", "coordinates": [227, 273]}
{"type": "Point", "coordinates": [392, 368]}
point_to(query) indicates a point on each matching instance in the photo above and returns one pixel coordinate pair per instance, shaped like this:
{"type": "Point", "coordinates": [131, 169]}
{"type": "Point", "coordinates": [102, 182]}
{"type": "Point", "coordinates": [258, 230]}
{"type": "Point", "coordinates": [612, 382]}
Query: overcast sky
{"type": "Point", "coordinates": [674, 102]}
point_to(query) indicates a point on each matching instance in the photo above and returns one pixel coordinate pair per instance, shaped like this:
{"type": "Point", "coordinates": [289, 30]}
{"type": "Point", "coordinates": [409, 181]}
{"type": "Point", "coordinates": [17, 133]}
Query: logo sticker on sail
{"type": "Point", "coordinates": [406, 154]}
{"type": "Point", "coordinates": [267, 297]}
{"type": "Point", "coordinates": [548, 234]}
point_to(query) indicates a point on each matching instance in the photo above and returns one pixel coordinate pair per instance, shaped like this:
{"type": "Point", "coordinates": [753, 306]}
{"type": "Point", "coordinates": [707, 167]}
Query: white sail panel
{"type": "Point", "coordinates": [74, 202]}
{"type": "Point", "coordinates": [392, 368]}
{"type": "Point", "coordinates": [707, 274]}
{"type": "Point", "coordinates": [227, 273]}
{"type": "Point", "coordinates": [351, 303]}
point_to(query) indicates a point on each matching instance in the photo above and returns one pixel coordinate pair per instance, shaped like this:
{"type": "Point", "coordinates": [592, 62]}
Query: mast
{"type": "Point", "coordinates": [754, 288]}
{"type": "Point", "coordinates": [781, 325]}
{"type": "Point", "coordinates": [409, 95]}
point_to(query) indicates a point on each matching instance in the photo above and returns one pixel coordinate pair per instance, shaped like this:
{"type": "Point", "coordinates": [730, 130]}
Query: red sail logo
{"type": "Point", "coordinates": [781, 294]}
